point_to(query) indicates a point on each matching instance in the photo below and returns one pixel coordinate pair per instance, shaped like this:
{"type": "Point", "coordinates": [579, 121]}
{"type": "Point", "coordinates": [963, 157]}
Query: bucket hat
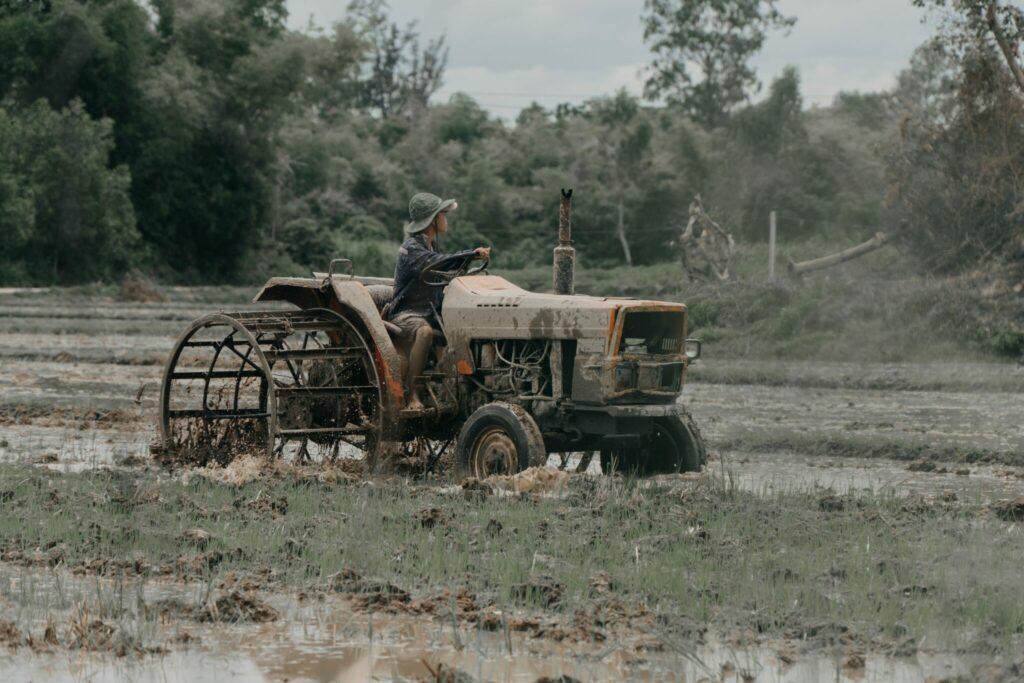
{"type": "Point", "coordinates": [422, 208]}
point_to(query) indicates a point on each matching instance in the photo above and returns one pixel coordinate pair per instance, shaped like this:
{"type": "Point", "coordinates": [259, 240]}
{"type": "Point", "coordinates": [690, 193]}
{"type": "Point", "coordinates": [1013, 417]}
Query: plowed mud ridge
{"type": "Point", "coordinates": [929, 453]}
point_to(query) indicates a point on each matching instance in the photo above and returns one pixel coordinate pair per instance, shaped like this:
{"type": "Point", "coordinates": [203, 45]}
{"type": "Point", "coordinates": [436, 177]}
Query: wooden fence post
{"type": "Point", "coordinates": [771, 246]}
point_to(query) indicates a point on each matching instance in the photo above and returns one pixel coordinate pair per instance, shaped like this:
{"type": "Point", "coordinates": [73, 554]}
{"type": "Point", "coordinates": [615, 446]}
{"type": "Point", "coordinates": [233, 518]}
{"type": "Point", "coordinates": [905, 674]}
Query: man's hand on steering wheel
{"type": "Point", "coordinates": [431, 276]}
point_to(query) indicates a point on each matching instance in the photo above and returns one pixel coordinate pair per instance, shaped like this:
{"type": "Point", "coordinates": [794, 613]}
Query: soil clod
{"type": "Point", "coordinates": [231, 607]}
{"type": "Point", "coordinates": [197, 537]}
{"type": "Point", "coordinates": [475, 490]}
{"type": "Point", "coordinates": [10, 635]}
{"type": "Point", "coordinates": [493, 527]}
{"type": "Point", "coordinates": [367, 594]}
{"type": "Point", "coordinates": [239, 607]}
{"type": "Point", "coordinates": [543, 591]}
{"type": "Point", "coordinates": [602, 583]}
{"type": "Point", "coordinates": [1010, 510]}
{"type": "Point", "coordinates": [430, 517]}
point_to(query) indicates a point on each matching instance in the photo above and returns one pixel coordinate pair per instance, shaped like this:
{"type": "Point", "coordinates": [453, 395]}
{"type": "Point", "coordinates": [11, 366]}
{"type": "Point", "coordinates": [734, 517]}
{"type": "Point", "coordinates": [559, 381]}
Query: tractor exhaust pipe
{"type": "Point", "coordinates": [564, 275]}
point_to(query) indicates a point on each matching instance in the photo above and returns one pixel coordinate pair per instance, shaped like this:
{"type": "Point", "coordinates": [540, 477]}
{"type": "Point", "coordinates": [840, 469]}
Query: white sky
{"type": "Point", "coordinates": [506, 53]}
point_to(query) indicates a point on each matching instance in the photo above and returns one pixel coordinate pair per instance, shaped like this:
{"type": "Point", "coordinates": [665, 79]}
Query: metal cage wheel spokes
{"type": "Point", "coordinates": [301, 385]}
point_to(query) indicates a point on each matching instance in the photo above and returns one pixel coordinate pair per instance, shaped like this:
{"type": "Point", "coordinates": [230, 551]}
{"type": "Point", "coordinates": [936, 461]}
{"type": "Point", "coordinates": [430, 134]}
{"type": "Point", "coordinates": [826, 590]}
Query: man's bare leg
{"type": "Point", "coordinates": [417, 361]}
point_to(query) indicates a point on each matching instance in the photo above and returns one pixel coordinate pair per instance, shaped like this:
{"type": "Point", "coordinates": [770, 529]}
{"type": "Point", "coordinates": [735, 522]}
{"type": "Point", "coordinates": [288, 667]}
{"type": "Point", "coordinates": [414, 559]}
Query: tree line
{"type": "Point", "coordinates": [205, 142]}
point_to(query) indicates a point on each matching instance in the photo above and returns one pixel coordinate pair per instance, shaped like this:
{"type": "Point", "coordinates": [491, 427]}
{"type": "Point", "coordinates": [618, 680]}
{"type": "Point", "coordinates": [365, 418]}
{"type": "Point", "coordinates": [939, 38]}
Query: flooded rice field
{"type": "Point", "coordinates": [323, 640]}
{"type": "Point", "coordinates": [79, 378]}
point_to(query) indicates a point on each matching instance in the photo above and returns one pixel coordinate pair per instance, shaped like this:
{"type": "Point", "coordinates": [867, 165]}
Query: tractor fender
{"type": "Point", "coordinates": [349, 298]}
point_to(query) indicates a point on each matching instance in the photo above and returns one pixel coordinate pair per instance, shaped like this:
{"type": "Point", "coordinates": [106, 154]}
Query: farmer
{"type": "Point", "coordinates": [414, 305]}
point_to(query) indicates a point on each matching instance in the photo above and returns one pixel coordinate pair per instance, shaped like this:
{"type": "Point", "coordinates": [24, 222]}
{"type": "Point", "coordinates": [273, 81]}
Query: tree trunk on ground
{"type": "Point", "coordinates": [797, 269]}
{"type": "Point", "coordinates": [622, 233]}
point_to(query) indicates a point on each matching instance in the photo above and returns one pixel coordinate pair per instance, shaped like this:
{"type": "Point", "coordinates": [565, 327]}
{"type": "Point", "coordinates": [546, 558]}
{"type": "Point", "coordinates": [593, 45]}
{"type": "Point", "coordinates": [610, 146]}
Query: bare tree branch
{"type": "Point", "coordinates": [1004, 45]}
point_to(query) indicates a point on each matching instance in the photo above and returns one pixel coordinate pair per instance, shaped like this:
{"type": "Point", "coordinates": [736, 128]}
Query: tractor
{"type": "Point", "coordinates": [313, 374]}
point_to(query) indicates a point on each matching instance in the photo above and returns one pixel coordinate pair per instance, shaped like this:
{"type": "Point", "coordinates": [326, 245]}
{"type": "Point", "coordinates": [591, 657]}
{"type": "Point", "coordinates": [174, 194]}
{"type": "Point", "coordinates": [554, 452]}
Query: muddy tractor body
{"type": "Point", "coordinates": [316, 374]}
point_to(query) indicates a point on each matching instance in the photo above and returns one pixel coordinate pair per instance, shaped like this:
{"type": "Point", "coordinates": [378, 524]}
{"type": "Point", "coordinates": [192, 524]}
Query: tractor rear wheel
{"type": "Point", "coordinates": [498, 438]}
{"type": "Point", "coordinates": [674, 445]}
{"type": "Point", "coordinates": [300, 385]}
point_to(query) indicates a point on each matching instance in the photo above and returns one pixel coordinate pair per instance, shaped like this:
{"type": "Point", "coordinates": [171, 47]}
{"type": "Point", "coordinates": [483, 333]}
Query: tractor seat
{"type": "Point", "coordinates": [381, 295]}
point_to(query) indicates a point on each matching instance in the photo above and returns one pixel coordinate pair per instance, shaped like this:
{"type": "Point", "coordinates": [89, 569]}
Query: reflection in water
{"type": "Point", "coordinates": [329, 644]}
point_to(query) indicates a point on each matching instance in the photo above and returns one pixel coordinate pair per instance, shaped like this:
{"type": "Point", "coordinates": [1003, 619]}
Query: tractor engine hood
{"type": "Point", "coordinates": [606, 332]}
{"type": "Point", "coordinates": [491, 307]}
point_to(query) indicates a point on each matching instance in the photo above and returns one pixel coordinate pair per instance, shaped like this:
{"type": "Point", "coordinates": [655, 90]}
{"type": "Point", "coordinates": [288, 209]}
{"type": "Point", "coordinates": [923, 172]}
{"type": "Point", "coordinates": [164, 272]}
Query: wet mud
{"type": "Point", "coordinates": [174, 631]}
{"type": "Point", "coordinates": [78, 389]}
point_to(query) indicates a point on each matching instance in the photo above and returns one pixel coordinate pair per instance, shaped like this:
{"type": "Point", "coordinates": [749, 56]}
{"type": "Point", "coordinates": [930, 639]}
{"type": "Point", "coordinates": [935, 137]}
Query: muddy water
{"type": "Point", "coordinates": [326, 641]}
{"type": "Point", "coordinates": [768, 472]}
{"type": "Point", "coordinates": [71, 449]}
{"type": "Point", "coordinates": [262, 655]}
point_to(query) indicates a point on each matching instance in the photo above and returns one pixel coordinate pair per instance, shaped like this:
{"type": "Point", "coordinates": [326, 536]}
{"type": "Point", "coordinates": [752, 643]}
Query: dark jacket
{"type": "Point", "coordinates": [411, 295]}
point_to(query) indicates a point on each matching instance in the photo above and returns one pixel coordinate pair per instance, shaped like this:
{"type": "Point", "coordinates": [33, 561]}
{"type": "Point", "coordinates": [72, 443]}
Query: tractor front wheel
{"type": "Point", "coordinates": [498, 438]}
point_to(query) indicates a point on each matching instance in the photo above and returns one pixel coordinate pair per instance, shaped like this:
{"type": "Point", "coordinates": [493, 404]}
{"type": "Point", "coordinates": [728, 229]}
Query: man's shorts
{"type": "Point", "coordinates": [409, 322]}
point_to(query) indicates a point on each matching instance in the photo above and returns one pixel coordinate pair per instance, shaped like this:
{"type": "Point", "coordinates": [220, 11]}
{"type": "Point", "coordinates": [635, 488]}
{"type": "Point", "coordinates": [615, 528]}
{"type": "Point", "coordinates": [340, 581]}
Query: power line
{"type": "Point", "coordinates": [487, 105]}
{"type": "Point", "coordinates": [563, 96]}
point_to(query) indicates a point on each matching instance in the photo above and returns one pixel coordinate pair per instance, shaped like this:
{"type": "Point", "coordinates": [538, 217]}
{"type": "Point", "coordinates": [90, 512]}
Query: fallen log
{"type": "Point", "coordinates": [798, 269]}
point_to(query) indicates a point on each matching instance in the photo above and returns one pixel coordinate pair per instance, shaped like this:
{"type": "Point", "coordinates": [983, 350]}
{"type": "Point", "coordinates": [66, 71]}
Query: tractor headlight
{"type": "Point", "coordinates": [692, 348]}
{"type": "Point", "coordinates": [625, 376]}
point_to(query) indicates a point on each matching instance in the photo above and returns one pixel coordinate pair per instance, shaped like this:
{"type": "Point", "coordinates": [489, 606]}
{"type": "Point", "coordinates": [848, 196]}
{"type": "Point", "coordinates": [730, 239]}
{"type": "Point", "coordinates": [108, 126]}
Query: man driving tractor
{"type": "Point", "coordinates": [416, 303]}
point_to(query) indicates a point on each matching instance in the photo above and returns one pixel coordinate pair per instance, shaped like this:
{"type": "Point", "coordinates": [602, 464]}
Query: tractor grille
{"type": "Point", "coordinates": [653, 333]}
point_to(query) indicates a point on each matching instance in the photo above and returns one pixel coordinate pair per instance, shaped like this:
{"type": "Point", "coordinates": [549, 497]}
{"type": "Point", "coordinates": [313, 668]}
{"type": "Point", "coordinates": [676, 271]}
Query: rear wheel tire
{"type": "Point", "coordinates": [675, 445]}
{"type": "Point", "coordinates": [498, 438]}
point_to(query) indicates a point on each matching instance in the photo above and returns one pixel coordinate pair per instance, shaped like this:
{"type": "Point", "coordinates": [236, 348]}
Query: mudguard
{"type": "Point", "coordinates": [350, 298]}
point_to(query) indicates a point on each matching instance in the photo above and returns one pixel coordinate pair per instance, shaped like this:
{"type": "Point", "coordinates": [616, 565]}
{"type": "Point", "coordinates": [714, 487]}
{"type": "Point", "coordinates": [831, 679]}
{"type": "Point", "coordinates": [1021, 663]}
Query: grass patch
{"type": "Point", "coordinates": [697, 554]}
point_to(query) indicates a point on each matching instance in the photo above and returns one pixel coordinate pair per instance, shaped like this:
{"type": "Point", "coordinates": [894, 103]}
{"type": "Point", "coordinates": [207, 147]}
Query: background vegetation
{"type": "Point", "coordinates": [204, 142]}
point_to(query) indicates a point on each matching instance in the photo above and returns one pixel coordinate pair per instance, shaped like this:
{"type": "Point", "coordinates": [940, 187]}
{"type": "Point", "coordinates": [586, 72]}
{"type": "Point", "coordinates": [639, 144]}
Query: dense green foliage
{"type": "Point", "coordinates": [60, 203]}
{"type": "Point", "coordinates": [246, 148]}
{"type": "Point", "coordinates": [209, 143]}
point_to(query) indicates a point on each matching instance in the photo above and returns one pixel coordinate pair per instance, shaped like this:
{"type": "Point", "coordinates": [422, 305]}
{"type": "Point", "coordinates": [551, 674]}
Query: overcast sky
{"type": "Point", "coordinates": [506, 53]}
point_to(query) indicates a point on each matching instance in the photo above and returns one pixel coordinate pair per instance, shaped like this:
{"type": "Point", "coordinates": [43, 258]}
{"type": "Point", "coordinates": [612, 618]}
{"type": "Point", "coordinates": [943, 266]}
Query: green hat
{"type": "Point", "coordinates": [422, 208]}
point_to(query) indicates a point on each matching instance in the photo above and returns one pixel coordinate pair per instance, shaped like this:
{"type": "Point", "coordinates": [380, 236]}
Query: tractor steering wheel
{"type": "Point", "coordinates": [431, 276]}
